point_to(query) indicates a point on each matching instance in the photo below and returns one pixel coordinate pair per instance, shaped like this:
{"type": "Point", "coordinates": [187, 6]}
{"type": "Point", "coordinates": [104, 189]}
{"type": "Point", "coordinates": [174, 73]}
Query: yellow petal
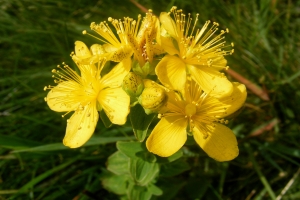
{"type": "Point", "coordinates": [171, 71]}
{"type": "Point", "coordinates": [167, 43]}
{"type": "Point", "coordinates": [211, 81]}
{"type": "Point", "coordinates": [168, 136]}
{"type": "Point", "coordinates": [115, 77]}
{"type": "Point", "coordinates": [84, 59]}
{"type": "Point", "coordinates": [81, 50]}
{"type": "Point", "coordinates": [81, 126]}
{"type": "Point", "coordinates": [168, 24]}
{"type": "Point", "coordinates": [97, 49]}
{"type": "Point", "coordinates": [117, 54]}
{"type": "Point", "coordinates": [226, 105]}
{"type": "Point", "coordinates": [236, 99]}
{"type": "Point", "coordinates": [115, 103]}
{"type": "Point", "coordinates": [158, 49]}
{"type": "Point", "coordinates": [219, 63]}
{"type": "Point", "coordinates": [157, 27]}
{"type": "Point", "coordinates": [63, 97]}
{"type": "Point", "coordinates": [109, 48]}
{"type": "Point", "coordinates": [174, 103]}
{"type": "Point", "coordinates": [211, 60]}
{"type": "Point", "coordinates": [221, 143]}
{"type": "Point", "coordinates": [97, 53]}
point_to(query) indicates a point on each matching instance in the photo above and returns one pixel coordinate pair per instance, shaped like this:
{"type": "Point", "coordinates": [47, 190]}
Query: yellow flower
{"type": "Point", "coordinates": [198, 114]}
{"type": "Point", "coordinates": [192, 51]}
{"type": "Point", "coordinates": [86, 95]}
{"type": "Point", "coordinates": [133, 37]}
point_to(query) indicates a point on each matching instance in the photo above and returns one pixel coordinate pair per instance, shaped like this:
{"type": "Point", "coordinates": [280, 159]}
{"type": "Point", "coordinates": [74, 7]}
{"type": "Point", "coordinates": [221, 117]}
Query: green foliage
{"type": "Point", "coordinates": [136, 167]}
{"type": "Point", "coordinates": [38, 35]}
{"type": "Point", "coordinates": [140, 121]}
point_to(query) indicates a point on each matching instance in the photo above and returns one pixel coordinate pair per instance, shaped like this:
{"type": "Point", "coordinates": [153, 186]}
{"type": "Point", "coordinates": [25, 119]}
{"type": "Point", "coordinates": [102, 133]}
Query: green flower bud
{"type": "Point", "coordinates": [133, 85]}
{"type": "Point", "coordinates": [153, 99]}
{"type": "Point", "coordinates": [144, 71]}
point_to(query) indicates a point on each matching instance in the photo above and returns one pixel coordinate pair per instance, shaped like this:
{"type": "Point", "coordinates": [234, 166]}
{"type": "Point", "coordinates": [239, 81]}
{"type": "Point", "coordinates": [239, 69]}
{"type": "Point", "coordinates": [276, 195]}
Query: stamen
{"type": "Point", "coordinates": [65, 115]}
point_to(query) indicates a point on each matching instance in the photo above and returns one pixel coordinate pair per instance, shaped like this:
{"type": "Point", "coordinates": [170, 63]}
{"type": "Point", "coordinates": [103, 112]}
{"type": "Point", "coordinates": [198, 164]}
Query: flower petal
{"type": "Point", "coordinates": [168, 24]}
{"type": "Point", "coordinates": [236, 99]}
{"type": "Point", "coordinates": [84, 60]}
{"type": "Point", "coordinates": [221, 143]}
{"type": "Point", "coordinates": [210, 60]}
{"type": "Point", "coordinates": [115, 77]}
{"type": "Point", "coordinates": [64, 96]}
{"type": "Point", "coordinates": [81, 50]}
{"type": "Point", "coordinates": [226, 105]}
{"type": "Point", "coordinates": [115, 103]}
{"type": "Point", "coordinates": [171, 71]}
{"type": "Point", "coordinates": [81, 126]}
{"type": "Point", "coordinates": [211, 81]}
{"type": "Point", "coordinates": [167, 44]}
{"type": "Point", "coordinates": [168, 136]}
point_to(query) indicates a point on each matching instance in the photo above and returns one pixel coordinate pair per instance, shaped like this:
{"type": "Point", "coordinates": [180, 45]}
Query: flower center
{"type": "Point", "coordinates": [190, 109]}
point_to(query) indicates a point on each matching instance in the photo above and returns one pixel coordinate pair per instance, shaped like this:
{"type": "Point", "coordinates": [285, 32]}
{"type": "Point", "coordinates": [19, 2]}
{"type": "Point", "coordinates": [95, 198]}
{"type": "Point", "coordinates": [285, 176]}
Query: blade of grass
{"type": "Point", "coordinates": [48, 173]}
{"type": "Point", "coordinates": [262, 178]}
{"type": "Point", "coordinates": [288, 185]}
{"type": "Point", "coordinates": [59, 146]}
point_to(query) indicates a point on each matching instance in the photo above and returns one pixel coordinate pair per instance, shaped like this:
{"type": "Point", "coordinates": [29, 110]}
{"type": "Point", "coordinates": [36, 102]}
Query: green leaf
{"type": "Point", "coordinates": [131, 148]}
{"type": "Point", "coordinates": [12, 142]}
{"type": "Point", "coordinates": [143, 172]}
{"type": "Point", "coordinates": [107, 123]}
{"type": "Point", "coordinates": [172, 158]}
{"type": "Point", "coordinates": [140, 121]}
{"type": "Point", "coordinates": [146, 156]}
{"type": "Point", "coordinates": [115, 183]}
{"type": "Point", "coordinates": [59, 146]}
{"type": "Point", "coordinates": [118, 163]}
{"type": "Point", "coordinates": [155, 190]}
{"type": "Point", "coordinates": [294, 152]}
{"type": "Point", "coordinates": [145, 70]}
{"type": "Point", "coordinates": [174, 168]}
{"type": "Point", "coordinates": [138, 192]}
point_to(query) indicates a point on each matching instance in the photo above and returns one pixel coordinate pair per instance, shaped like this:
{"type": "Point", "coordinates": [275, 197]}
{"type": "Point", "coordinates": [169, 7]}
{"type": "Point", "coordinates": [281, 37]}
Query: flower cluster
{"type": "Point", "coordinates": [166, 65]}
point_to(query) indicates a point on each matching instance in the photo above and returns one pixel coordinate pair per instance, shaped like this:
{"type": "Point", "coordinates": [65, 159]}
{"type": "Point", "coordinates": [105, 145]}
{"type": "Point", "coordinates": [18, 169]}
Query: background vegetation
{"type": "Point", "coordinates": [37, 35]}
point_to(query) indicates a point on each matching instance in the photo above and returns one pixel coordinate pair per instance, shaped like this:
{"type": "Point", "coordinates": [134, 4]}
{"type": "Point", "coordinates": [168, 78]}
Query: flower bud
{"type": "Point", "coordinates": [153, 99]}
{"type": "Point", "coordinates": [133, 84]}
{"type": "Point", "coordinates": [144, 71]}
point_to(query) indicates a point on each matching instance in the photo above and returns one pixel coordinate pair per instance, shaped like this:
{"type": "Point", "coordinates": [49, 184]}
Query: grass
{"type": "Point", "coordinates": [38, 35]}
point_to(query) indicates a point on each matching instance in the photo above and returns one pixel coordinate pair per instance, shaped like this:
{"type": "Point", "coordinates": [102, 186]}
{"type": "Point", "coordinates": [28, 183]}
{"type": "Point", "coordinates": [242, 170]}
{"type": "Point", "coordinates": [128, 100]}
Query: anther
{"type": "Point", "coordinates": [84, 32]}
